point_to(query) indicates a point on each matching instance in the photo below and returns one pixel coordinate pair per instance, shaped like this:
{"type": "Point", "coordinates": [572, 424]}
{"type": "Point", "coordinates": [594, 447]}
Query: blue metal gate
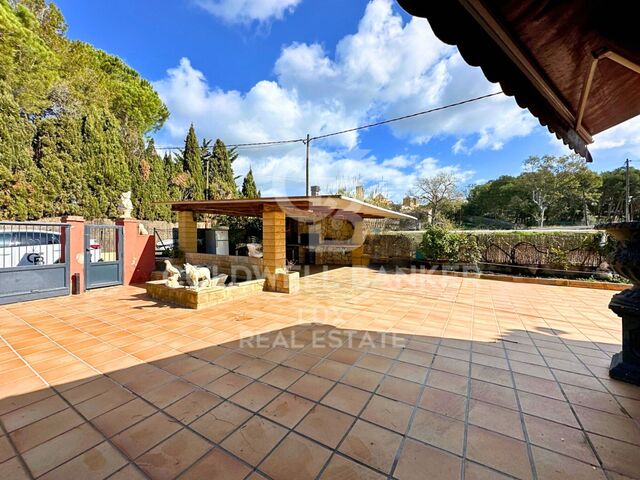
{"type": "Point", "coordinates": [34, 261]}
{"type": "Point", "coordinates": [103, 255]}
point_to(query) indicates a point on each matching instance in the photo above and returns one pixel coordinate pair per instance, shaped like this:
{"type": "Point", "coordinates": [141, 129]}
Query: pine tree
{"type": "Point", "coordinates": [249, 188]}
{"type": "Point", "coordinates": [223, 184]}
{"type": "Point", "coordinates": [192, 164]}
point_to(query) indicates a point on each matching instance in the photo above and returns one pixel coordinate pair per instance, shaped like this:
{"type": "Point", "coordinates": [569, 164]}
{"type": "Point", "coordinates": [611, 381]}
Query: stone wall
{"type": "Point", "coordinates": [337, 229]}
{"type": "Point", "coordinates": [243, 268]}
{"type": "Point", "coordinates": [332, 255]}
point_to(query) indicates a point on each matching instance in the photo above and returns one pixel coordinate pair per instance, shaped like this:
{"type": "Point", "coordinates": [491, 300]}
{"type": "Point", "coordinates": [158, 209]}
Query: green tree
{"type": "Point", "coordinates": [192, 165]}
{"type": "Point", "coordinates": [612, 192]}
{"type": "Point", "coordinates": [249, 188]}
{"type": "Point", "coordinates": [222, 183]}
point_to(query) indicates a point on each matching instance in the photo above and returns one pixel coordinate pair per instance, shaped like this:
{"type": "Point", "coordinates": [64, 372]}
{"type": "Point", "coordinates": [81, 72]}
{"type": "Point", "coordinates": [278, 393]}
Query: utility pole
{"type": "Point", "coordinates": [206, 193]}
{"type": "Point", "coordinates": [627, 215]}
{"type": "Point", "coordinates": [307, 168]}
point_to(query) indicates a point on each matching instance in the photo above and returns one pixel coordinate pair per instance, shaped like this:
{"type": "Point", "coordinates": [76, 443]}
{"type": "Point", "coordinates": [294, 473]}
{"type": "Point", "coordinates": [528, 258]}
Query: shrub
{"type": "Point", "coordinates": [442, 245]}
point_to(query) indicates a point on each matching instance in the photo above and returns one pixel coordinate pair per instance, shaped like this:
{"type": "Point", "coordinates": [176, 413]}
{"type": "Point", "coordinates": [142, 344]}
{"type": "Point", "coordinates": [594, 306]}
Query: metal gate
{"type": "Point", "coordinates": [103, 255]}
{"type": "Point", "coordinates": [34, 261]}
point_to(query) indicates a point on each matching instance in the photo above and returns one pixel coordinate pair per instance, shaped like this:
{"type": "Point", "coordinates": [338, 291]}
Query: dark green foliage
{"type": "Point", "coordinates": [192, 165]}
{"type": "Point", "coordinates": [222, 183]}
{"type": "Point", "coordinates": [72, 122]}
{"type": "Point", "coordinates": [440, 244]}
{"type": "Point", "coordinates": [249, 188]}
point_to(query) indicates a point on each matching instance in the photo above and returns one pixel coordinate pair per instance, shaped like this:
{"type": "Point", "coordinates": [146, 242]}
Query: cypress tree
{"type": "Point", "coordinates": [249, 189]}
{"type": "Point", "coordinates": [223, 184]}
{"type": "Point", "coordinates": [192, 164]}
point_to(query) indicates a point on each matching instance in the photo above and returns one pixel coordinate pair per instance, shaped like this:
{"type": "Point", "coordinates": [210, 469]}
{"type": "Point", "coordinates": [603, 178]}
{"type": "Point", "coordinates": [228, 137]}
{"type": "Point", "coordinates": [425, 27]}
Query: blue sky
{"type": "Point", "coordinates": [260, 70]}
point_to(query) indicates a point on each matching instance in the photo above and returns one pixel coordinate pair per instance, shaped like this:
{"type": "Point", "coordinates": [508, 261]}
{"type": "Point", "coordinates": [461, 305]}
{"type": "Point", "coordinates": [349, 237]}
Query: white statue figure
{"type": "Point", "coordinates": [125, 207]}
{"type": "Point", "coordinates": [197, 276]}
{"type": "Point", "coordinates": [173, 275]}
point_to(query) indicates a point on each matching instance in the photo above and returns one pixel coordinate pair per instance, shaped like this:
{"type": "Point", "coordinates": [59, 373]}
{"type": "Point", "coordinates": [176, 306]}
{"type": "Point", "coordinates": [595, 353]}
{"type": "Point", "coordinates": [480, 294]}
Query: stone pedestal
{"type": "Point", "coordinates": [625, 365]}
{"type": "Point", "coordinates": [273, 245]}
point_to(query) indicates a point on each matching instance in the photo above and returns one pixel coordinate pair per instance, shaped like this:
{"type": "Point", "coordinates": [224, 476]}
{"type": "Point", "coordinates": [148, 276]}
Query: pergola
{"type": "Point", "coordinates": [274, 211]}
{"type": "Point", "coordinates": [574, 64]}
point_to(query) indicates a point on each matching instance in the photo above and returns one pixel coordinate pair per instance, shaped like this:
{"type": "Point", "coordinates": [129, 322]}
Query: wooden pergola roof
{"type": "Point", "coordinates": [574, 64]}
{"type": "Point", "coordinates": [296, 207]}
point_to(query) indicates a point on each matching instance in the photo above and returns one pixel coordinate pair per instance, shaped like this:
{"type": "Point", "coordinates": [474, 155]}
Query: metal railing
{"type": "Point", "coordinates": [30, 244]}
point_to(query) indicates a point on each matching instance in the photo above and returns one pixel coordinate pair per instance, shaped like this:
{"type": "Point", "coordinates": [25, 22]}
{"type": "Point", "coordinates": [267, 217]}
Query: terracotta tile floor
{"type": "Point", "coordinates": [360, 375]}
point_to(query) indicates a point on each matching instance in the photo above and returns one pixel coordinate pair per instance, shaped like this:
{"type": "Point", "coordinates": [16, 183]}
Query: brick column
{"type": "Point", "coordinates": [187, 232]}
{"type": "Point", "coordinates": [357, 254]}
{"type": "Point", "coordinates": [273, 245]}
{"type": "Point", "coordinates": [76, 247]}
{"type": "Point", "coordinates": [139, 256]}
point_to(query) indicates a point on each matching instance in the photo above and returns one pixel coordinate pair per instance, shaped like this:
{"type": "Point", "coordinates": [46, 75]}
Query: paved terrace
{"type": "Point", "coordinates": [492, 380]}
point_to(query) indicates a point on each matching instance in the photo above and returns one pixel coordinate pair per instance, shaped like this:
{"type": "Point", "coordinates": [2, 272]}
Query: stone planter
{"type": "Point", "coordinates": [625, 260]}
{"type": "Point", "coordinates": [287, 282]}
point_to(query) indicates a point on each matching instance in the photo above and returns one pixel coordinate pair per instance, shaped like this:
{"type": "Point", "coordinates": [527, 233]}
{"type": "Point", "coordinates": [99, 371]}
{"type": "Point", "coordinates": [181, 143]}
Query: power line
{"type": "Point", "coordinates": [404, 117]}
{"type": "Point", "coordinates": [349, 130]}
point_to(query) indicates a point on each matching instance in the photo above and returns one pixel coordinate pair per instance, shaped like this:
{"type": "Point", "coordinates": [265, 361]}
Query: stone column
{"type": "Point", "coordinates": [187, 233]}
{"type": "Point", "coordinates": [273, 245]}
{"type": "Point", "coordinates": [357, 255]}
{"type": "Point", "coordinates": [76, 246]}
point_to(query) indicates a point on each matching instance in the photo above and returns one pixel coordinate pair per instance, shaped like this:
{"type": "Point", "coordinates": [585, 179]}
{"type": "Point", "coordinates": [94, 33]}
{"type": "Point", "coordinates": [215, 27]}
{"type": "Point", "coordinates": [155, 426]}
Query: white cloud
{"type": "Point", "coordinates": [625, 136]}
{"type": "Point", "coordinates": [247, 11]}
{"type": "Point", "coordinates": [387, 68]}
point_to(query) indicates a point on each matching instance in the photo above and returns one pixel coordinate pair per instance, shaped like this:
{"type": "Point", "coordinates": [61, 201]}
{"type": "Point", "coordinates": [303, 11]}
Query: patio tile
{"type": "Point", "coordinates": [329, 369]}
{"type": "Point", "coordinates": [497, 451]}
{"type": "Point", "coordinates": [141, 437]}
{"type": "Point", "coordinates": [443, 402]}
{"type": "Point", "coordinates": [388, 413]}
{"type": "Point", "coordinates": [498, 419]}
{"type": "Point", "coordinates": [255, 396]}
{"type": "Point", "coordinates": [281, 377]}
{"type": "Point", "coordinates": [311, 386]}
{"type": "Point", "coordinates": [447, 381]}
{"type": "Point", "coordinates": [408, 371]}
{"type": "Point", "coordinates": [189, 408]}
{"type": "Point", "coordinates": [123, 417]}
{"type": "Point", "coordinates": [345, 355]}
{"type": "Point", "coordinates": [296, 457]}
{"type": "Point", "coordinates": [217, 465]}
{"type": "Point", "coordinates": [371, 445]}
{"type": "Point", "coordinates": [14, 470]}
{"type": "Point", "coordinates": [228, 384]}
{"type": "Point", "coordinates": [98, 462]}
{"type": "Point", "coordinates": [104, 402]}
{"type": "Point", "coordinates": [6, 450]}
{"type": "Point", "coordinates": [341, 468]}
{"type": "Point", "coordinates": [325, 425]}
{"type": "Point", "coordinates": [595, 400]}
{"type": "Point", "coordinates": [559, 438]}
{"type": "Point", "coordinates": [174, 455]}
{"type": "Point", "coordinates": [347, 399]}
{"type": "Point", "coordinates": [39, 432]}
{"type": "Point", "coordinates": [416, 459]}
{"type": "Point", "coordinates": [438, 430]}
{"type": "Point", "coordinates": [548, 408]}
{"type": "Point", "coordinates": [254, 440]}
{"type": "Point", "coordinates": [32, 413]}
{"type": "Point", "coordinates": [221, 421]}
{"type": "Point", "coordinates": [58, 450]}
{"type": "Point", "coordinates": [473, 471]}
{"type": "Point", "coordinates": [361, 378]}
{"type": "Point", "coordinates": [287, 409]}
{"type": "Point", "coordinates": [558, 467]}
{"type": "Point", "coordinates": [130, 472]}
{"type": "Point", "coordinates": [617, 456]}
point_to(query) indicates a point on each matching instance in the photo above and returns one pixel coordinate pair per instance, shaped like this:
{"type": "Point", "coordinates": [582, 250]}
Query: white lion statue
{"type": "Point", "coordinates": [173, 275]}
{"type": "Point", "coordinates": [197, 276]}
{"type": "Point", "coordinates": [125, 207]}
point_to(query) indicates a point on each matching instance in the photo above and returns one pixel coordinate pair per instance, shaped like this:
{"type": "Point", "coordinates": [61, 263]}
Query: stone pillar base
{"type": "Point", "coordinates": [622, 371]}
{"type": "Point", "coordinates": [287, 282]}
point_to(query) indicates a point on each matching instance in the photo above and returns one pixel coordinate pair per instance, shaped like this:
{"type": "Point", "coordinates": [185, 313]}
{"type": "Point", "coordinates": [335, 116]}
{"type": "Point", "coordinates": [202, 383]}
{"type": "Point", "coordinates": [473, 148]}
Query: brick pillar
{"type": "Point", "coordinates": [187, 232]}
{"type": "Point", "coordinates": [357, 254]}
{"type": "Point", "coordinates": [273, 245]}
{"type": "Point", "coordinates": [138, 252]}
{"type": "Point", "coordinates": [76, 247]}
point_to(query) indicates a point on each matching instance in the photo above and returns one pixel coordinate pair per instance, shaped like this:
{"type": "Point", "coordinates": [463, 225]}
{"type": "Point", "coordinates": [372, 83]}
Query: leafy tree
{"type": "Point", "coordinates": [436, 191]}
{"type": "Point", "coordinates": [249, 188]}
{"type": "Point", "coordinates": [612, 192]}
